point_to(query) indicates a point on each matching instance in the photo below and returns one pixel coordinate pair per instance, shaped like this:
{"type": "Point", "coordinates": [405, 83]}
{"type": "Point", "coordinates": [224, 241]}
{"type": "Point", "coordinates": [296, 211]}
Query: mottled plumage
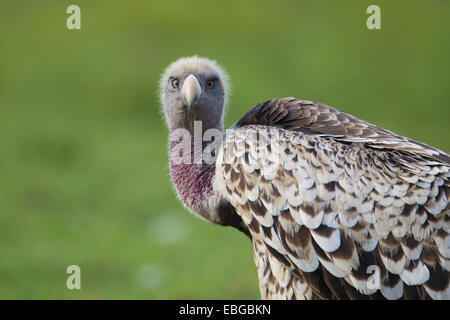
{"type": "Point", "coordinates": [325, 197]}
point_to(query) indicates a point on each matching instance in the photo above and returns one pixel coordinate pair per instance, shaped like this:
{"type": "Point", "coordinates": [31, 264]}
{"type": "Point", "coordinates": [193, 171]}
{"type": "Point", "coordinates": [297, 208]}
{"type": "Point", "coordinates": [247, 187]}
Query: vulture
{"type": "Point", "coordinates": [335, 207]}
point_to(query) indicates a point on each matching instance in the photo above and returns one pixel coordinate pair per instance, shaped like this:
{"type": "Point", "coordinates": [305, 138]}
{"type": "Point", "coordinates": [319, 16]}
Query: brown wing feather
{"type": "Point", "coordinates": [316, 118]}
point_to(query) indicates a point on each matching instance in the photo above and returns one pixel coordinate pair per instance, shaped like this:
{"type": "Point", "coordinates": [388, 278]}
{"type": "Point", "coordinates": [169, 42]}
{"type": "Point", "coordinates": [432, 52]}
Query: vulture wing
{"type": "Point", "coordinates": [337, 208]}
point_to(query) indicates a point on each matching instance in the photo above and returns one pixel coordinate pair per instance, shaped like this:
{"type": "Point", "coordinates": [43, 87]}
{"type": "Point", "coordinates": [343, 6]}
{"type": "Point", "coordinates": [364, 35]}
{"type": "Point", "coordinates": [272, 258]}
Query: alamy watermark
{"type": "Point", "coordinates": [373, 282]}
{"type": "Point", "coordinates": [74, 280]}
{"type": "Point", "coordinates": [374, 20]}
{"type": "Point", "coordinates": [203, 146]}
{"type": "Point", "coordinates": [73, 22]}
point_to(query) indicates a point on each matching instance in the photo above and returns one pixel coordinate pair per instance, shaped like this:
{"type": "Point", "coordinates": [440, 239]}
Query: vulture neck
{"type": "Point", "coordinates": [194, 183]}
{"type": "Point", "coordinates": [193, 178]}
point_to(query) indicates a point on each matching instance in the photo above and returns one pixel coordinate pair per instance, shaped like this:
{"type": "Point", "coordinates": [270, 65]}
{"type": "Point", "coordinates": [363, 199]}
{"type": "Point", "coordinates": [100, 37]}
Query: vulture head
{"type": "Point", "coordinates": [194, 89]}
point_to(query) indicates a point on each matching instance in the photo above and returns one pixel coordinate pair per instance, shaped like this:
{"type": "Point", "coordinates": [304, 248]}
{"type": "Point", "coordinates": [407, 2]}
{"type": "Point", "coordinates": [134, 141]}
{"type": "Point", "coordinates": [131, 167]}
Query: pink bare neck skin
{"type": "Point", "coordinates": [193, 181]}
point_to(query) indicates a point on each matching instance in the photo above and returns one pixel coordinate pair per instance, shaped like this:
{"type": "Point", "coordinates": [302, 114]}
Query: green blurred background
{"type": "Point", "coordinates": [83, 161]}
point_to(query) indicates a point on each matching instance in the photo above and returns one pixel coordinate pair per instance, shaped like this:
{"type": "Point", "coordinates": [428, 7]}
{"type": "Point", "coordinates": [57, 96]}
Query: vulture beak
{"type": "Point", "coordinates": [191, 90]}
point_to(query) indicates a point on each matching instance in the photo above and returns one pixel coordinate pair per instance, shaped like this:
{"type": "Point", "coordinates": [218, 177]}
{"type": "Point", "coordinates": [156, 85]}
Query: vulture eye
{"type": "Point", "coordinates": [175, 83]}
{"type": "Point", "coordinates": [211, 84]}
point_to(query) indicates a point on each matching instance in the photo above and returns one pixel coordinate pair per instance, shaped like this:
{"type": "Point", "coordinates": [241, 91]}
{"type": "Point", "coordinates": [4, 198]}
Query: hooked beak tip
{"type": "Point", "coordinates": [188, 103]}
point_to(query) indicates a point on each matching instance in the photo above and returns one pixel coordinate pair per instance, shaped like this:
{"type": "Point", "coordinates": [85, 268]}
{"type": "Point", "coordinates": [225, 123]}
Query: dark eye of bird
{"type": "Point", "coordinates": [175, 83]}
{"type": "Point", "coordinates": [210, 84]}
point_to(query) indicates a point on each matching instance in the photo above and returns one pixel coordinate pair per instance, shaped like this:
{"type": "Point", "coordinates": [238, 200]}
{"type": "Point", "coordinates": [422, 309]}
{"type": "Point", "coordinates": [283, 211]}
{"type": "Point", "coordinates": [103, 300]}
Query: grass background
{"type": "Point", "coordinates": [83, 159]}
